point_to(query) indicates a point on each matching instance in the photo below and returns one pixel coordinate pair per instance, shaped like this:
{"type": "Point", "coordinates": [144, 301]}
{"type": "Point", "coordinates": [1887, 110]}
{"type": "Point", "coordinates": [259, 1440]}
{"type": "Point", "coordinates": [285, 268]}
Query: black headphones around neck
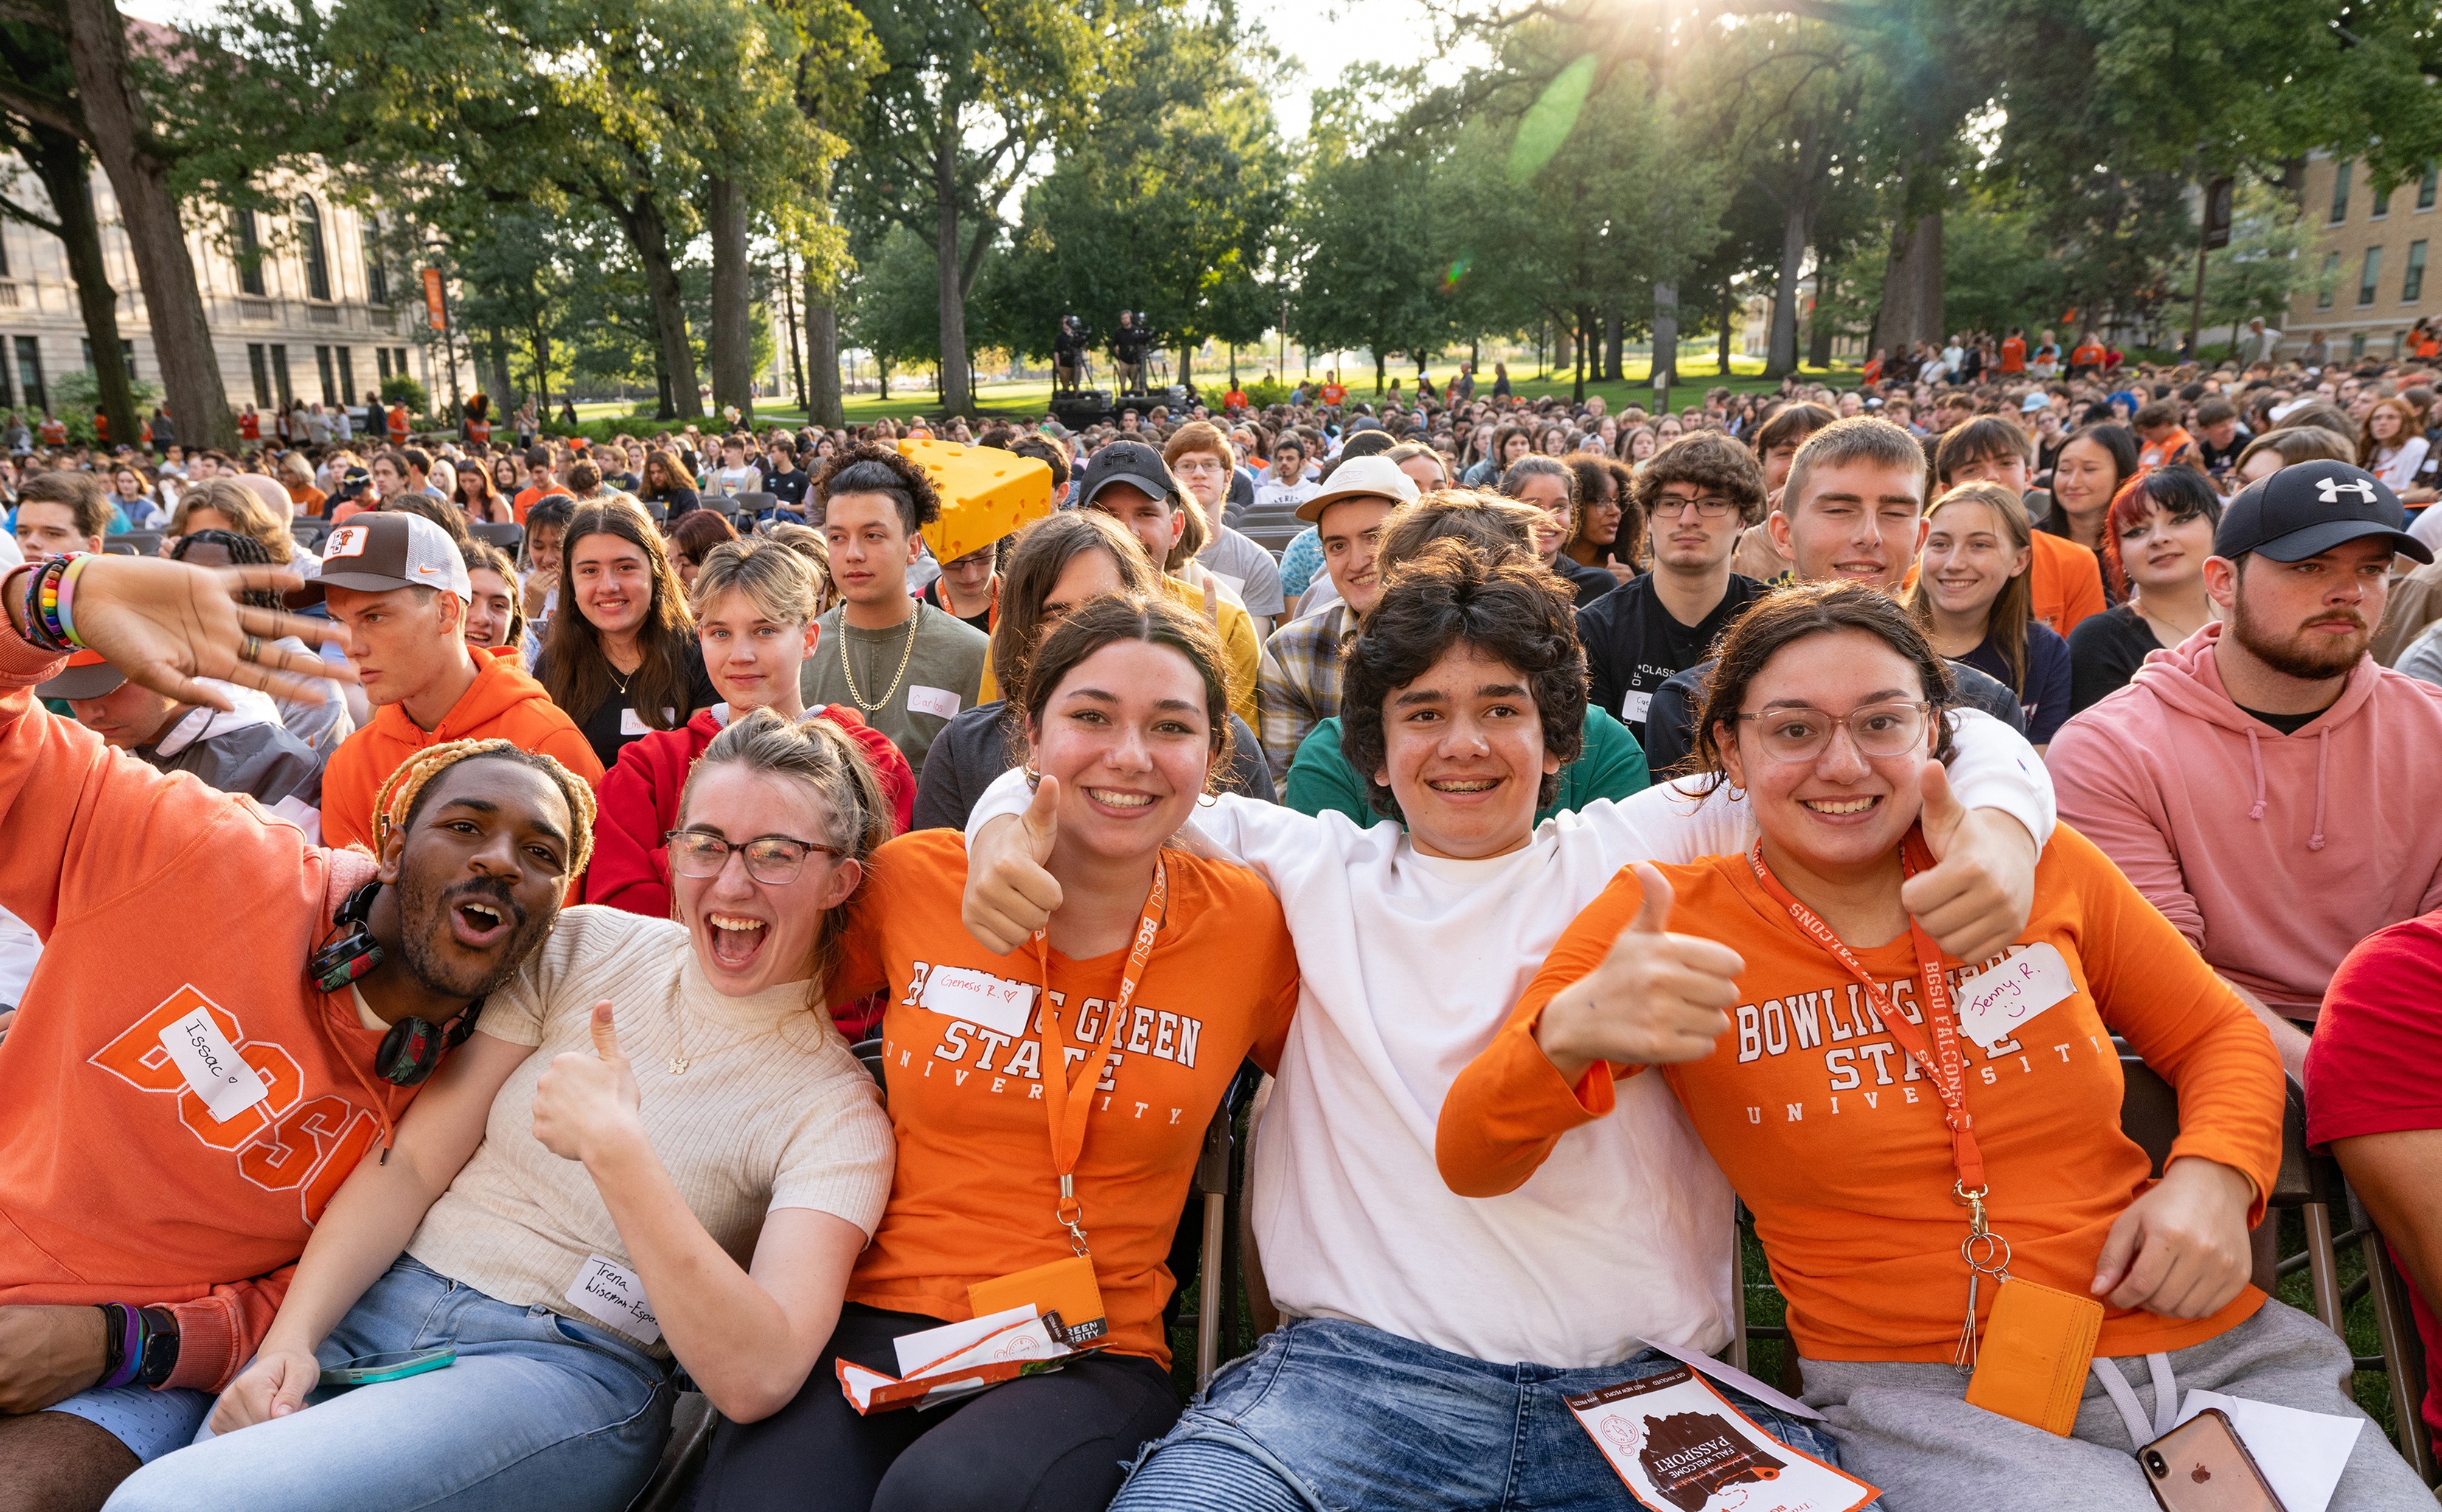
{"type": "Point", "coordinates": [412, 1049]}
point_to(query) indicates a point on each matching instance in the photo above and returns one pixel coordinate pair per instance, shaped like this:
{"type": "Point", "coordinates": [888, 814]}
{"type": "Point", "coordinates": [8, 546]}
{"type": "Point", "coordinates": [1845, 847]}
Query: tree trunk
{"type": "Point", "coordinates": [732, 344]}
{"type": "Point", "coordinates": [1577, 389]}
{"type": "Point", "coordinates": [1377, 375]}
{"type": "Point", "coordinates": [58, 160]}
{"type": "Point", "coordinates": [956, 399]}
{"type": "Point", "coordinates": [541, 343]}
{"type": "Point", "coordinates": [664, 409]}
{"type": "Point", "coordinates": [1913, 286]}
{"type": "Point", "coordinates": [1729, 313]}
{"type": "Point", "coordinates": [1612, 341]}
{"type": "Point", "coordinates": [114, 121]}
{"type": "Point", "coordinates": [823, 358]}
{"type": "Point", "coordinates": [1665, 334]}
{"type": "Point", "coordinates": [1818, 324]}
{"type": "Point", "coordinates": [797, 329]}
{"type": "Point", "coordinates": [650, 235]}
{"type": "Point", "coordinates": [503, 388]}
{"type": "Point", "coordinates": [882, 378]}
{"type": "Point", "coordinates": [1796, 230]}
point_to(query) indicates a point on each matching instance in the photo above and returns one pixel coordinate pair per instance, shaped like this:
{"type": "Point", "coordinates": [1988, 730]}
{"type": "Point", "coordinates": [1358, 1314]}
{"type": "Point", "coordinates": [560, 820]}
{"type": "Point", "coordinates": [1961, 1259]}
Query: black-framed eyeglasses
{"type": "Point", "coordinates": [773, 859]}
{"type": "Point", "coordinates": [1796, 733]}
{"type": "Point", "coordinates": [1669, 509]}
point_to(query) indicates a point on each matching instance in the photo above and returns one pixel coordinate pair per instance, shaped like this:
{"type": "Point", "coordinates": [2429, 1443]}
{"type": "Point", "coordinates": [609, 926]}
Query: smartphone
{"type": "Point", "coordinates": [2201, 1466]}
{"type": "Point", "coordinates": [370, 1370]}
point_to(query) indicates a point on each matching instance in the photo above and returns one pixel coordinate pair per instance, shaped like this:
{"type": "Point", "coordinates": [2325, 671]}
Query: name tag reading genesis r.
{"type": "Point", "coordinates": [979, 997]}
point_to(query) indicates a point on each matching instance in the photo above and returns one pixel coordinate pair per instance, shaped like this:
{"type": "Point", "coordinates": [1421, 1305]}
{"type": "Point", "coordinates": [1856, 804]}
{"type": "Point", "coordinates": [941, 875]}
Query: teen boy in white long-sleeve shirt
{"type": "Point", "coordinates": [1413, 944]}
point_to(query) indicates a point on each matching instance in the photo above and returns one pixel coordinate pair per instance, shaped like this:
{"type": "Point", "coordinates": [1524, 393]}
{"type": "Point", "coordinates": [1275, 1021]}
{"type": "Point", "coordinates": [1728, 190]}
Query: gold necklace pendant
{"type": "Point", "coordinates": [679, 1064]}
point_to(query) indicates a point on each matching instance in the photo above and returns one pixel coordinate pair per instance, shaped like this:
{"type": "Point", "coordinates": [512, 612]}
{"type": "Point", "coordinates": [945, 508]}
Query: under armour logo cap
{"type": "Point", "coordinates": [2308, 509]}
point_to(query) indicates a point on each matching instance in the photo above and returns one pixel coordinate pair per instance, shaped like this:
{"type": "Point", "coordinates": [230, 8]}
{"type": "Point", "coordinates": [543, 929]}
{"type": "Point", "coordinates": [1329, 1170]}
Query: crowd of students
{"type": "Point", "coordinates": [438, 946]}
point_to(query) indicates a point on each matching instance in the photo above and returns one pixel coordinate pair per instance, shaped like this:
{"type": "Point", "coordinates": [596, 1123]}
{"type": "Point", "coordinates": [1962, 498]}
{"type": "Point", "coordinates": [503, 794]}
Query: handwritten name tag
{"type": "Point", "coordinates": [211, 1066]}
{"type": "Point", "coordinates": [979, 997]}
{"type": "Point", "coordinates": [1994, 1004]}
{"type": "Point", "coordinates": [940, 702]}
{"type": "Point", "coordinates": [609, 1293]}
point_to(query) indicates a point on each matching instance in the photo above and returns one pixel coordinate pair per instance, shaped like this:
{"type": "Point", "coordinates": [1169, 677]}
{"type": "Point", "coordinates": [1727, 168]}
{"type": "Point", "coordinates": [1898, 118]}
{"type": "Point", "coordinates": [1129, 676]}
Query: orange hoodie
{"type": "Point", "coordinates": [503, 703]}
{"type": "Point", "coordinates": [158, 897]}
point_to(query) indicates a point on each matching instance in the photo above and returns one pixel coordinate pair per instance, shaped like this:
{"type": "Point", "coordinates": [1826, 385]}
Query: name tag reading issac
{"type": "Point", "coordinates": [211, 1066]}
{"type": "Point", "coordinates": [979, 997]}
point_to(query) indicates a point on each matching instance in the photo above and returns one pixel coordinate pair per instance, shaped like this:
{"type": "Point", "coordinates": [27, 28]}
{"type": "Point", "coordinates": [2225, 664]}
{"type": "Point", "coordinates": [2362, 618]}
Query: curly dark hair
{"type": "Point", "coordinates": [869, 469]}
{"type": "Point", "coordinates": [1709, 459]}
{"type": "Point", "coordinates": [1791, 614]}
{"type": "Point", "coordinates": [1504, 605]}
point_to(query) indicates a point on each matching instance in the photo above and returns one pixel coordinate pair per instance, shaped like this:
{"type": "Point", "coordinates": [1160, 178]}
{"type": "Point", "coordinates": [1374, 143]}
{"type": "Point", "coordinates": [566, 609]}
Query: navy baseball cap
{"type": "Point", "coordinates": [2304, 510]}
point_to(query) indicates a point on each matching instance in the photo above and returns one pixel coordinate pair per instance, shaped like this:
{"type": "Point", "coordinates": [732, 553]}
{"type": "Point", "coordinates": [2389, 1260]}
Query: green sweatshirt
{"type": "Point", "coordinates": [1609, 765]}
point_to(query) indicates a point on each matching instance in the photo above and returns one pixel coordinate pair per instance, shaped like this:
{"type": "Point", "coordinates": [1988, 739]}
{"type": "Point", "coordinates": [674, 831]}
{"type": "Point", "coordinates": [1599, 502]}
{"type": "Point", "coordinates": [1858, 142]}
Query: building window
{"type": "Point", "coordinates": [2356, 345]}
{"type": "Point", "coordinates": [2371, 276]}
{"type": "Point", "coordinates": [30, 373]}
{"type": "Point", "coordinates": [7, 388]}
{"type": "Point", "coordinates": [2340, 192]}
{"type": "Point", "coordinates": [322, 361]}
{"type": "Point", "coordinates": [2412, 284]}
{"type": "Point", "coordinates": [376, 276]}
{"type": "Point", "coordinates": [2425, 186]}
{"type": "Point", "coordinates": [382, 354]}
{"type": "Point", "coordinates": [2330, 279]}
{"type": "Point", "coordinates": [4, 273]}
{"type": "Point", "coordinates": [261, 364]}
{"type": "Point", "coordinates": [309, 243]}
{"type": "Point", "coordinates": [279, 376]}
{"type": "Point", "coordinates": [347, 376]}
{"type": "Point", "coordinates": [248, 249]}
{"type": "Point", "coordinates": [2382, 205]}
{"type": "Point", "coordinates": [398, 360]}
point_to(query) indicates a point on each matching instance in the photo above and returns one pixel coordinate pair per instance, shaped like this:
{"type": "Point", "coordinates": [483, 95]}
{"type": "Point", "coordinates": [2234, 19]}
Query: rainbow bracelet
{"type": "Point", "coordinates": [43, 626]}
{"type": "Point", "coordinates": [67, 596]}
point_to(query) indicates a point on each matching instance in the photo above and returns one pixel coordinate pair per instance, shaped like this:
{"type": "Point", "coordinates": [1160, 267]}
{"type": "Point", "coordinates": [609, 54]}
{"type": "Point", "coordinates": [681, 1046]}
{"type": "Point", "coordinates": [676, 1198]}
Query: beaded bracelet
{"type": "Point", "coordinates": [67, 594]}
{"type": "Point", "coordinates": [42, 606]}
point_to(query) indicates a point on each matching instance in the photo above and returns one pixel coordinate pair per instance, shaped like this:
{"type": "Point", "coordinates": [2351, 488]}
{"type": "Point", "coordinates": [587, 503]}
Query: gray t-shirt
{"type": "Point", "coordinates": [944, 670]}
{"type": "Point", "coordinates": [1248, 569]}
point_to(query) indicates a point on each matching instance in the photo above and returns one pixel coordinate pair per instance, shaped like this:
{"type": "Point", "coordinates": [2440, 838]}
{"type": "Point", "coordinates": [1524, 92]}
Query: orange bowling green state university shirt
{"type": "Point", "coordinates": [1833, 1136]}
{"type": "Point", "coordinates": [975, 1191]}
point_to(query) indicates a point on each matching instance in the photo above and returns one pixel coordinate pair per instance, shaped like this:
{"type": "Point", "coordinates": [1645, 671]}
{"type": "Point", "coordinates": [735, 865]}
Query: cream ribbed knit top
{"type": "Point", "coordinates": [773, 1112]}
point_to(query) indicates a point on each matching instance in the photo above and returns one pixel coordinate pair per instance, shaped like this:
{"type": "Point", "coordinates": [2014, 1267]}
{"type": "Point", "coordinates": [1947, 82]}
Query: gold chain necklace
{"type": "Point", "coordinates": [678, 1063]}
{"type": "Point", "coordinates": [906, 654]}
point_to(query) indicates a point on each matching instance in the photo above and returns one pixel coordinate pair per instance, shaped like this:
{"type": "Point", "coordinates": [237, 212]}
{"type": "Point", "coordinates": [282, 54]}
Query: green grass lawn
{"type": "Point", "coordinates": [1032, 400]}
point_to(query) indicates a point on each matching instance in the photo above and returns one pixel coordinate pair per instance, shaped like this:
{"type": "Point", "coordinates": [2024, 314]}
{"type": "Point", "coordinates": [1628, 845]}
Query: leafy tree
{"type": "Point", "coordinates": [1168, 205]}
{"type": "Point", "coordinates": [968, 96]}
{"type": "Point", "coordinates": [1366, 273]}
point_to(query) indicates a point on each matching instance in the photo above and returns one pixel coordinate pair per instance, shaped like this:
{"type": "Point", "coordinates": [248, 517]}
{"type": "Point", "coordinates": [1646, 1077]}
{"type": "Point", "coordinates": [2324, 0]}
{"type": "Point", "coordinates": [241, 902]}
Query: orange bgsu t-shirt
{"type": "Point", "coordinates": [2013, 354]}
{"type": "Point", "coordinates": [1833, 1136]}
{"type": "Point", "coordinates": [1333, 393]}
{"type": "Point", "coordinates": [973, 1193]}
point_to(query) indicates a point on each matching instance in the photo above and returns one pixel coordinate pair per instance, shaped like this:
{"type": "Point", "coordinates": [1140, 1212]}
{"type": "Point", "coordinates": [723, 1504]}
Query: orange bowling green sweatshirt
{"type": "Point", "coordinates": [1834, 1138]}
{"type": "Point", "coordinates": [158, 898]}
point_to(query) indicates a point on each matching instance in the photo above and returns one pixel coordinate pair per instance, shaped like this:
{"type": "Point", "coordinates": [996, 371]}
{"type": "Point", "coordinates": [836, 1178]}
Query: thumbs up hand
{"type": "Point", "coordinates": [1009, 895]}
{"type": "Point", "coordinates": [1656, 998]}
{"type": "Point", "coordinates": [586, 1104]}
{"type": "Point", "coordinates": [1979, 895]}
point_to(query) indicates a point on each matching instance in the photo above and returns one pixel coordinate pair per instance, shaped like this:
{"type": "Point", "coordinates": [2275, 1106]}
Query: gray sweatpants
{"type": "Point", "coordinates": [1907, 1428]}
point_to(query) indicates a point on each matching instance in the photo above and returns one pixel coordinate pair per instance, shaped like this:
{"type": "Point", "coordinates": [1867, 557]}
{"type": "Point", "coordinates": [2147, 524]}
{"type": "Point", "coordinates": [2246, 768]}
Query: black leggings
{"type": "Point", "coordinates": [1055, 1443]}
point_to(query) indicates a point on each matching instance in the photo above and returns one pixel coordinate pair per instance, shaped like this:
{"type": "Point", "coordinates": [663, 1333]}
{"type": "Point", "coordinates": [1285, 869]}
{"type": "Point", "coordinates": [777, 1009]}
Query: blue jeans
{"type": "Point", "coordinates": [538, 1415]}
{"type": "Point", "coordinates": [1327, 1415]}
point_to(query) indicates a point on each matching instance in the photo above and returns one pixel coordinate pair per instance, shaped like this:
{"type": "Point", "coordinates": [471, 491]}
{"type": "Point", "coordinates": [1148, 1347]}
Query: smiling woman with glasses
{"type": "Point", "coordinates": [1930, 1146]}
{"type": "Point", "coordinates": [654, 1153]}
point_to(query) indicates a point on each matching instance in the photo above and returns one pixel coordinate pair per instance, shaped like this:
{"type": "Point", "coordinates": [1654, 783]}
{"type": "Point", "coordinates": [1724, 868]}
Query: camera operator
{"type": "Point", "coordinates": [1128, 351]}
{"type": "Point", "coordinates": [1068, 353]}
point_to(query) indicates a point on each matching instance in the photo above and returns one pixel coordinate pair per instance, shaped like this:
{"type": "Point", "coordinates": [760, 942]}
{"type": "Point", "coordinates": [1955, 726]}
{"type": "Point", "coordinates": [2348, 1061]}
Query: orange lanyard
{"type": "Point", "coordinates": [1072, 1101]}
{"type": "Point", "coordinates": [1941, 1058]}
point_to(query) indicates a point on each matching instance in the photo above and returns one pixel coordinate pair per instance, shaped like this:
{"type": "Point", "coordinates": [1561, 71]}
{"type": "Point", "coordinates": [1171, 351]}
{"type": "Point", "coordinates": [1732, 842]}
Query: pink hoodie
{"type": "Point", "coordinates": [2274, 853]}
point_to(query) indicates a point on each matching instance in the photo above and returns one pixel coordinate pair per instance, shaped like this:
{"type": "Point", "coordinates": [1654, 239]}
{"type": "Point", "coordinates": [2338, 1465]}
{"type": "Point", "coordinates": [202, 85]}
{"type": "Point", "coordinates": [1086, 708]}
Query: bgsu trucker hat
{"type": "Point", "coordinates": [2310, 508]}
{"type": "Point", "coordinates": [382, 549]}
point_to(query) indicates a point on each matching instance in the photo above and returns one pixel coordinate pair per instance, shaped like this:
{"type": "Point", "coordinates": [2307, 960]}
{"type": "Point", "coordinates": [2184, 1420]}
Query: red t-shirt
{"type": "Point", "coordinates": [249, 426]}
{"type": "Point", "coordinates": [54, 432]}
{"type": "Point", "coordinates": [2013, 354]}
{"type": "Point", "coordinates": [2375, 1067]}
